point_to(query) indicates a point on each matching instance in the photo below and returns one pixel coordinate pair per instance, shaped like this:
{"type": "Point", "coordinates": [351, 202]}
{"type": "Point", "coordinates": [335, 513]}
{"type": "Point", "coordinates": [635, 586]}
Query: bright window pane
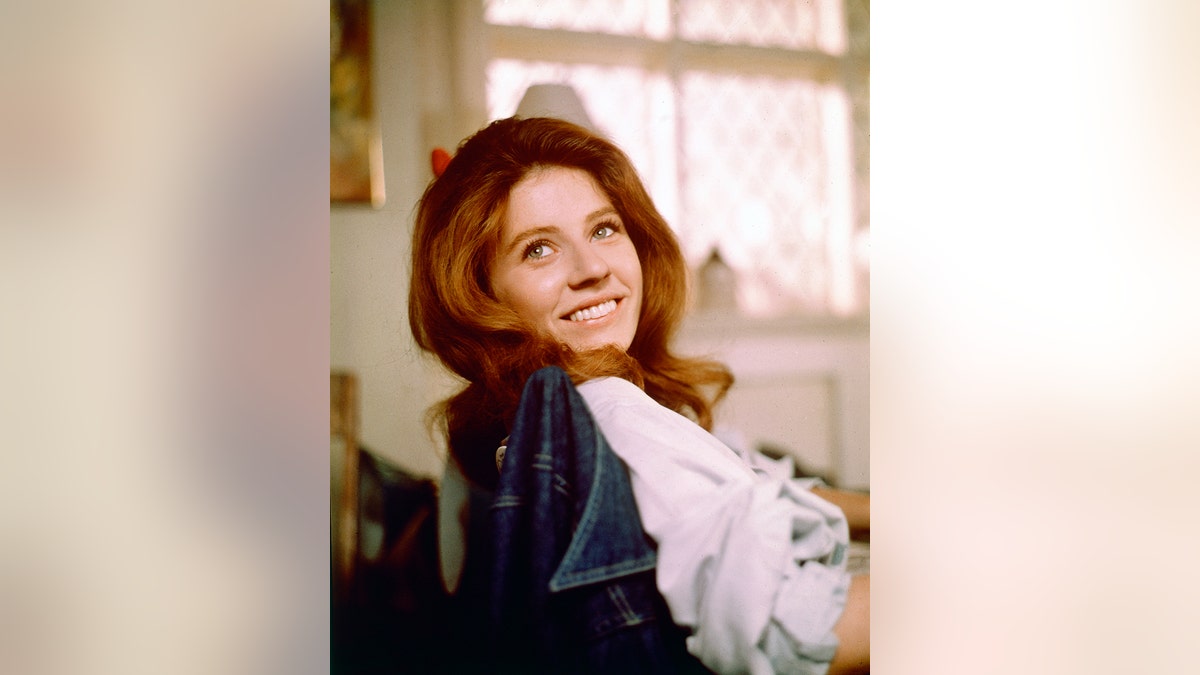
{"type": "Point", "coordinates": [791, 24]}
{"type": "Point", "coordinates": [622, 17]}
{"type": "Point", "coordinates": [767, 182]}
{"type": "Point", "coordinates": [772, 172]}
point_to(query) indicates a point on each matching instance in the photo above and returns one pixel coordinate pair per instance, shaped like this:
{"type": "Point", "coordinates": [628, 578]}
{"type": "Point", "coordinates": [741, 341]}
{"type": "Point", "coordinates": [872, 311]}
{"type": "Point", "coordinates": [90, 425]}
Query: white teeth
{"type": "Point", "coordinates": [602, 309]}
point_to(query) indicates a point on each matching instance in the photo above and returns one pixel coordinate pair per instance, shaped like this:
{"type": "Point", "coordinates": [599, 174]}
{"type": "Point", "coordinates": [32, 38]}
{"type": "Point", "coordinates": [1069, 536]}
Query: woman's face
{"type": "Point", "coordinates": [565, 261]}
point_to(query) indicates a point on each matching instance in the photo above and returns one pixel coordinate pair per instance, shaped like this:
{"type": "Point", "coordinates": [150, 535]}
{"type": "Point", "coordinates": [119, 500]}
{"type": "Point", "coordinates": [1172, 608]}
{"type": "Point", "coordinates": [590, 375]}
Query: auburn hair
{"type": "Point", "coordinates": [454, 315]}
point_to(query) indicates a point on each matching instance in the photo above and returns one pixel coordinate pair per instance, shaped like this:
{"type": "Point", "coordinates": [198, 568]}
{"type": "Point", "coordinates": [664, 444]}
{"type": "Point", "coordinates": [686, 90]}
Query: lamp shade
{"type": "Point", "coordinates": [555, 100]}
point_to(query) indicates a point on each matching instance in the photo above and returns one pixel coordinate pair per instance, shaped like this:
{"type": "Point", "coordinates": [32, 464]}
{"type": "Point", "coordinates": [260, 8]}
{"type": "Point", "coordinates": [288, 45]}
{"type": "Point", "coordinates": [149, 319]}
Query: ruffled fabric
{"type": "Point", "coordinates": [753, 564]}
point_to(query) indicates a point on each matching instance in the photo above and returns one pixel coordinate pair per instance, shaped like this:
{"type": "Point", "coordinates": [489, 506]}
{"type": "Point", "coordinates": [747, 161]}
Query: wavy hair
{"type": "Point", "coordinates": [454, 315]}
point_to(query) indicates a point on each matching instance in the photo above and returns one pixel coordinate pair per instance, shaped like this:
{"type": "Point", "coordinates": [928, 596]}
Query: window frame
{"type": "Point", "coordinates": [671, 56]}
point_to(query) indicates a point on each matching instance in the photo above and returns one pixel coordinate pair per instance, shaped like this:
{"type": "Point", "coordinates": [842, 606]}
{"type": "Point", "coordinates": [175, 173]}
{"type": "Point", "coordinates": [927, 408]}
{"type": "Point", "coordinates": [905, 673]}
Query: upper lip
{"type": "Point", "coordinates": [592, 303]}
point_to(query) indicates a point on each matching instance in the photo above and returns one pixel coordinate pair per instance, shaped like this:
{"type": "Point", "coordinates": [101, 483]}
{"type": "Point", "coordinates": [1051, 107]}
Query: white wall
{"type": "Point", "coordinates": [419, 106]}
{"type": "Point", "coordinates": [802, 386]}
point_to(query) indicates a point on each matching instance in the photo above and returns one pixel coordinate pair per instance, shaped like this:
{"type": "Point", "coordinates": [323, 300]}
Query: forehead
{"type": "Point", "coordinates": [553, 195]}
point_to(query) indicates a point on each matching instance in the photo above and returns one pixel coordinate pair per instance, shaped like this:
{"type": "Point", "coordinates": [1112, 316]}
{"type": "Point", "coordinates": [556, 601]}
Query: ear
{"type": "Point", "coordinates": [439, 161]}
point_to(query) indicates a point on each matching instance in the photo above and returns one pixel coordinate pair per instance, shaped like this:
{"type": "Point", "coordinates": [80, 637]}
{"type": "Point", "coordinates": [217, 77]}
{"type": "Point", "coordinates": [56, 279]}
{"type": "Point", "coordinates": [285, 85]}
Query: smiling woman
{"type": "Point", "coordinates": [538, 247]}
{"type": "Point", "coordinates": [518, 248]}
{"type": "Point", "coordinates": [578, 276]}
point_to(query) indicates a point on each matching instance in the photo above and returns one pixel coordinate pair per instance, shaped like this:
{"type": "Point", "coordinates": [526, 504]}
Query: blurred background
{"type": "Point", "coordinates": [171, 315]}
{"type": "Point", "coordinates": [749, 123]}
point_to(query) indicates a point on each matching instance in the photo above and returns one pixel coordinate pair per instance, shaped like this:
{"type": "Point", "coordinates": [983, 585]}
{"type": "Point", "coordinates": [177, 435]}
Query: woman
{"type": "Point", "coordinates": [539, 246]}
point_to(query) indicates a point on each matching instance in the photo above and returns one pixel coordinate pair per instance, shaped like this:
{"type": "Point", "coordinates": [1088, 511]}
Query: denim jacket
{"type": "Point", "coordinates": [572, 573]}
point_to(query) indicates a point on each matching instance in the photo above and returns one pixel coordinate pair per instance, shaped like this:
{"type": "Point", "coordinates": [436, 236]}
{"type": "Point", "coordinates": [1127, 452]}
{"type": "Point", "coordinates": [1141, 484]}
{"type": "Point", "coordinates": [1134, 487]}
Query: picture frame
{"type": "Point", "coordinates": [355, 146]}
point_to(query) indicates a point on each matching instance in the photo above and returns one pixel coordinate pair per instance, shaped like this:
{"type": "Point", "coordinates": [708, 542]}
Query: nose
{"type": "Point", "coordinates": [589, 267]}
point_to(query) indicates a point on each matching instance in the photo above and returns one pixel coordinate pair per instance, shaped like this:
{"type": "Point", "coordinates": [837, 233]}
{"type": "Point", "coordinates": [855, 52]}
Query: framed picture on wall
{"type": "Point", "coordinates": [355, 147]}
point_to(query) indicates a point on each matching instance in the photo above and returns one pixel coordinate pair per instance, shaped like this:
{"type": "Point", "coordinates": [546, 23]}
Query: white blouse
{"type": "Point", "coordinates": [753, 565]}
{"type": "Point", "coordinates": [748, 558]}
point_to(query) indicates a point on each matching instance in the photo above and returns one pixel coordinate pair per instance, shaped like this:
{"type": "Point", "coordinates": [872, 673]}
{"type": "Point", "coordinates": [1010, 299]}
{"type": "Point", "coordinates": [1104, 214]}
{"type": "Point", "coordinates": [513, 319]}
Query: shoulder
{"type": "Point", "coordinates": [644, 433]}
{"type": "Point", "coordinates": [609, 391]}
{"type": "Point", "coordinates": [609, 397]}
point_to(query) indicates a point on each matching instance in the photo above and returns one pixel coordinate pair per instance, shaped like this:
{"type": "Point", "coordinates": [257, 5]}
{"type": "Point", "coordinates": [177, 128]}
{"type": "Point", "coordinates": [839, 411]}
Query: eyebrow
{"type": "Point", "coordinates": [527, 235]}
{"type": "Point", "coordinates": [602, 211]}
{"type": "Point", "coordinates": [535, 232]}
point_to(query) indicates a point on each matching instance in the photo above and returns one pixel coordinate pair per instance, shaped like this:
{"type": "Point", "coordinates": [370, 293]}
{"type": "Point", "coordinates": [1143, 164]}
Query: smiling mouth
{"type": "Point", "coordinates": [595, 312]}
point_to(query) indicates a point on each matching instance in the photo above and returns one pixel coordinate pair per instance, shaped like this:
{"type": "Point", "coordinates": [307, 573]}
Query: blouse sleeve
{"type": "Point", "coordinates": [753, 565]}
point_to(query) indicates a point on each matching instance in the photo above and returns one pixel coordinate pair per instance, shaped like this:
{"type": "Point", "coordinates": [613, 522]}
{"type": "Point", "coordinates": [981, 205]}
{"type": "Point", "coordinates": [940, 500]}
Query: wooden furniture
{"type": "Point", "coordinates": [343, 489]}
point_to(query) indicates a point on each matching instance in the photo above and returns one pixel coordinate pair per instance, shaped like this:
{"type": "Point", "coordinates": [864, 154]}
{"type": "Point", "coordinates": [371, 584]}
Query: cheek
{"type": "Point", "coordinates": [639, 289]}
{"type": "Point", "coordinates": [633, 274]}
{"type": "Point", "coordinates": [530, 295]}
{"type": "Point", "coordinates": [506, 289]}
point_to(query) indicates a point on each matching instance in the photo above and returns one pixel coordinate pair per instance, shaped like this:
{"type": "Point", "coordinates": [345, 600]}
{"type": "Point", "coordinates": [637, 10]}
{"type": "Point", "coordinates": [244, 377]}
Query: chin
{"type": "Point", "coordinates": [597, 342]}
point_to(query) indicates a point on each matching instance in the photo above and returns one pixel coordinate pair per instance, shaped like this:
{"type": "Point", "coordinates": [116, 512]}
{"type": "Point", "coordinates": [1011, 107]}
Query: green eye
{"type": "Point", "coordinates": [537, 250]}
{"type": "Point", "coordinates": [605, 231]}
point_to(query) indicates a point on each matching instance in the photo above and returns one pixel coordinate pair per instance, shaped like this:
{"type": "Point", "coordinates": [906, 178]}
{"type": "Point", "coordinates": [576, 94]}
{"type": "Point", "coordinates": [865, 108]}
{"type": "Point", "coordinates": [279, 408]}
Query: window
{"type": "Point", "coordinates": [746, 119]}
